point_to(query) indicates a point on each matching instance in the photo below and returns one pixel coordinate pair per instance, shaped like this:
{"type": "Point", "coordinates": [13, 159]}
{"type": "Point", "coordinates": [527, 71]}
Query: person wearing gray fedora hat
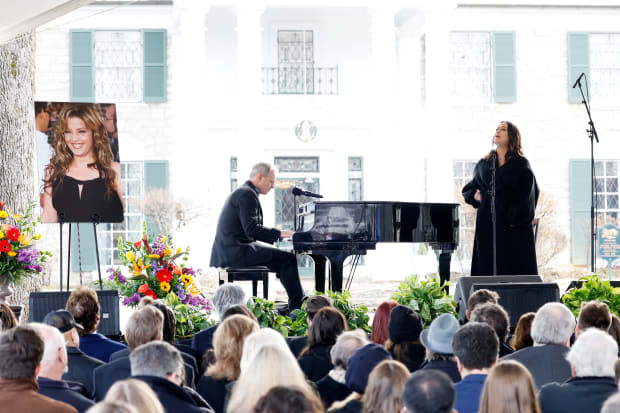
{"type": "Point", "coordinates": [437, 339]}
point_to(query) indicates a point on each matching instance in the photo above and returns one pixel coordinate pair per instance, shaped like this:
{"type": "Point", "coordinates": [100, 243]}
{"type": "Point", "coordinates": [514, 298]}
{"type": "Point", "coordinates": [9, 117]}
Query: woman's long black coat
{"type": "Point", "coordinates": [516, 198]}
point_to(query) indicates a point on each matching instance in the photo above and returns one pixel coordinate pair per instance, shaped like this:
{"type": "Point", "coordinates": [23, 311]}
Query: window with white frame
{"type": "Point", "coordinates": [462, 174]}
{"type": "Point", "coordinates": [233, 173]}
{"type": "Point", "coordinates": [132, 178]}
{"type": "Point", "coordinates": [118, 65]}
{"type": "Point", "coordinates": [605, 65]}
{"type": "Point", "coordinates": [470, 65]}
{"type": "Point", "coordinates": [606, 185]}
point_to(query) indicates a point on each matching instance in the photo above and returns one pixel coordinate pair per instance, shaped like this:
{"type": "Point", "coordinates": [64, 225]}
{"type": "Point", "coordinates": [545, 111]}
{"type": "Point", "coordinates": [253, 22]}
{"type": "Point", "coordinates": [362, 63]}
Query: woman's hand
{"type": "Point", "coordinates": [478, 196]}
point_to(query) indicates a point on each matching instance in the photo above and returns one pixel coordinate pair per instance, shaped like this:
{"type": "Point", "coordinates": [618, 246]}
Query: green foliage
{"type": "Point", "coordinates": [427, 298]}
{"type": "Point", "coordinates": [268, 316]}
{"type": "Point", "coordinates": [593, 288]}
{"type": "Point", "coordinates": [190, 319]}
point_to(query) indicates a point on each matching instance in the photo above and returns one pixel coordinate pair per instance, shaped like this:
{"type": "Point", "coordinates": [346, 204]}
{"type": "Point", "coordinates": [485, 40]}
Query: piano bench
{"type": "Point", "coordinates": [254, 274]}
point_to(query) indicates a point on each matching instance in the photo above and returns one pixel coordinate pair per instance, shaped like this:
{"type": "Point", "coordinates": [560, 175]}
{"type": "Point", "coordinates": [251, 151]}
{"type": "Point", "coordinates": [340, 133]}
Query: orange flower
{"type": "Point", "coordinates": [137, 244]}
{"type": "Point", "coordinates": [143, 288]}
{"type": "Point", "coordinates": [177, 270]}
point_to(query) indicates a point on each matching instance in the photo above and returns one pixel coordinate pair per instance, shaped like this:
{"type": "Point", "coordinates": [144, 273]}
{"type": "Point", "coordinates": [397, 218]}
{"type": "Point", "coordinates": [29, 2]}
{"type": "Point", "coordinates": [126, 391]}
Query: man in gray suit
{"type": "Point", "coordinates": [551, 331]}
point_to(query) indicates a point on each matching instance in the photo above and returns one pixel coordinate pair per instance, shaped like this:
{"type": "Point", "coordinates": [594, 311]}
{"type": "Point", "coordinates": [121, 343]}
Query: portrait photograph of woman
{"type": "Point", "coordinates": [82, 181]}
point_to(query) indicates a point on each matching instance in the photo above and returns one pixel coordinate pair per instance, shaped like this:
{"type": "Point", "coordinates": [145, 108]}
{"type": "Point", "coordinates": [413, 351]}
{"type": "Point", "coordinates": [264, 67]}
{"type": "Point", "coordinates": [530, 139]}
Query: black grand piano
{"type": "Point", "coordinates": [337, 230]}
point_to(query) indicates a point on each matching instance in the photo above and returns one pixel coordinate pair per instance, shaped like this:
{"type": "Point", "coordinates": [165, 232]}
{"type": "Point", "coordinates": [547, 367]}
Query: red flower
{"type": "Point", "coordinates": [5, 246]}
{"type": "Point", "coordinates": [143, 288]}
{"type": "Point", "coordinates": [1, 205]}
{"type": "Point", "coordinates": [137, 244]}
{"type": "Point", "coordinates": [13, 234]}
{"type": "Point", "coordinates": [164, 275]}
{"type": "Point", "coordinates": [152, 294]}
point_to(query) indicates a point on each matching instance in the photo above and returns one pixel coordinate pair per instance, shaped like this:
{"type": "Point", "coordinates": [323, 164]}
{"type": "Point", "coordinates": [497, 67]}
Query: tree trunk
{"type": "Point", "coordinates": [17, 174]}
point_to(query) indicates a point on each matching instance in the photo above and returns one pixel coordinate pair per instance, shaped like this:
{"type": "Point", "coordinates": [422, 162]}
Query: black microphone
{"type": "Point", "coordinates": [579, 79]}
{"type": "Point", "coordinates": [299, 191]}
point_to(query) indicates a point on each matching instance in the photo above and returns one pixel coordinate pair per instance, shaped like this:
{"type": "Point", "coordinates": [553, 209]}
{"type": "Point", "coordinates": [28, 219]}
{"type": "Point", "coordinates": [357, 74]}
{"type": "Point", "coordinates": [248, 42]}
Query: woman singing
{"type": "Point", "coordinates": [82, 181]}
{"type": "Point", "coordinates": [516, 194]}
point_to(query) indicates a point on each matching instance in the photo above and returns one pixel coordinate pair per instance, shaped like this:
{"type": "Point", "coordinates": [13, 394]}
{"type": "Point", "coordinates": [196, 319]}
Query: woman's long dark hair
{"type": "Point", "coordinates": [514, 142]}
{"type": "Point", "coordinates": [327, 325]}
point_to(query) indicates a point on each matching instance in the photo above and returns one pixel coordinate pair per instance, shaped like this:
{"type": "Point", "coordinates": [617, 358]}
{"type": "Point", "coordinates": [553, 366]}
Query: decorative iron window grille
{"type": "Point", "coordinates": [470, 65]}
{"type": "Point", "coordinates": [606, 175]}
{"type": "Point", "coordinates": [118, 66]}
{"type": "Point", "coordinates": [605, 65]}
{"type": "Point", "coordinates": [297, 164]}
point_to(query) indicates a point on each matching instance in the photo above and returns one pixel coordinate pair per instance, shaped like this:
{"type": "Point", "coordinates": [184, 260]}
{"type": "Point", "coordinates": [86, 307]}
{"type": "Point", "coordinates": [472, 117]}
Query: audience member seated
{"type": "Point", "coordinates": [523, 332]}
{"type": "Point", "coordinates": [495, 316]}
{"type": "Point", "coordinates": [53, 364]}
{"type": "Point", "coordinates": [509, 388]}
{"type": "Point", "coordinates": [612, 405]}
{"type": "Point", "coordinates": [592, 365]}
{"type": "Point", "coordinates": [112, 407]}
{"type": "Point", "coordinates": [380, 322]}
{"type": "Point", "coordinates": [81, 366]}
{"type": "Point", "coordinates": [287, 399]}
{"type": "Point", "coordinates": [312, 305]}
{"type": "Point", "coordinates": [480, 297]}
{"type": "Point", "coordinates": [359, 367]}
{"type": "Point", "coordinates": [332, 387]}
{"type": "Point", "coordinates": [7, 318]}
{"type": "Point", "coordinates": [476, 348]}
{"type": "Point", "coordinates": [169, 329]}
{"type": "Point", "coordinates": [552, 328]}
{"type": "Point", "coordinates": [437, 339]}
{"type": "Point", "coordinates": [136, 393]}
{"type": "Point", "coordinates": [228, 345]}
{"type": "Point", "coordinates": [83, 305]}
{"type": "Point", "coordinates": [262, 369]}
{"type": "Point", "coordinates": [21, 351]}
{"type": "Point", "coordinates": [226, 295]}
{"type": "Point", "coordinates": [161, 366]}
{"type": "Point", "coordinates": [404, 330]}
{"type": "Point", "coordinates": [617, 371]}
{"type": "Point", "coordinates": [593, 314]}
{"type": "Point", "coordinates": [386, 384]}
{"type": "Point", "coordinates": [314, 359]}
{"type": "Point", "coordinates": [614, 329]}
{"type": "Point", "coordinates": [429, 391]}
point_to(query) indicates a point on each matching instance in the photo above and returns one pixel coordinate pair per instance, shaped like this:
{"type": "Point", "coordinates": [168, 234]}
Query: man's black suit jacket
{"type": "Point", "coordinates": [81, 368]}
{"type": "Point", "coordinates": [239, 227]}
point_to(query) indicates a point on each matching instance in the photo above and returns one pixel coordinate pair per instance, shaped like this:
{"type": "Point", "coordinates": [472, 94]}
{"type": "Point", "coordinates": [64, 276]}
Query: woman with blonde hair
{"type": "Point", "coordinates": [271, 366]}
{"type": "Point", "coordinates": [82, 182]}
{"type": "Point", "coordinates": [7, 318]}
{"type": "Point", "coordinates": [135, 393]}
{"type": "Point", "coordinates": [112, 407]}
{"type": "Point", "coordinates": [228, 344]}
{"type": "Point", "coordinates": [509, 388]}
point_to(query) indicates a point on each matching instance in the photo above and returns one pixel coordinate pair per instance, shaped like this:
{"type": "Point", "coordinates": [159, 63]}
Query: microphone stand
{"type": "Point", "coordinates": [494, 212]}
{"type": "Point", "coordinates": [591, 135]}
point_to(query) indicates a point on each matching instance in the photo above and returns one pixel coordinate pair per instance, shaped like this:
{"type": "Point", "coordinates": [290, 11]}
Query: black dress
{"type": "Point", "coordinates": [92, 205]}
{"type": "Point", "coordinates": [516, 197]}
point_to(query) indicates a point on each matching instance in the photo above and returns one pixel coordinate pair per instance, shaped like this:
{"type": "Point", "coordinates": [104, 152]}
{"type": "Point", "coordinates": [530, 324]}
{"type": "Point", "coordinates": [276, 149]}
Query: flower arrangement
{"type": "Point", "coordinates": [154, 272]}
{"type": "Point", "coordinates": [18, 255]}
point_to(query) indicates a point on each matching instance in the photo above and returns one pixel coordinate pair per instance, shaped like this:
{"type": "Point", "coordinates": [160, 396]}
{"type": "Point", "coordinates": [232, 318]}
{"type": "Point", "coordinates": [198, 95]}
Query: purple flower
{"type": "Point", "coordinates": [130, 300]}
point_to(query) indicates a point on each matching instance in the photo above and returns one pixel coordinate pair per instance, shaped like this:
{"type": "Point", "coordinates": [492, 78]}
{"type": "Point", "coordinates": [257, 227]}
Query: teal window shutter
{"type": "Point", "coordinates": [154, 65]}
{"type": "Point", "coordinates": [504, 67]}
{"type": "Point", "coordinates": [82, 70]}
{"type": "Point", "coordinates": [155, 177]}
{"type": "Point", "coordinates": [578, 62]}
{"type": "Point", "coordinates": [580, 201]}
{"type": "Point", "coordinates": [86, 254]}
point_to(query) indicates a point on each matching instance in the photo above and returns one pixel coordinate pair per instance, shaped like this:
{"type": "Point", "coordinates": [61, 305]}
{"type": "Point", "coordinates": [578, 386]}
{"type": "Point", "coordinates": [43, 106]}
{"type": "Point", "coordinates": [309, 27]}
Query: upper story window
{"type": "Point", "coordinates": [482, 66]}
{"type": "Point", "coordinates": [605, 65]}
{"type": "Point", "coordinates": [118, 66]}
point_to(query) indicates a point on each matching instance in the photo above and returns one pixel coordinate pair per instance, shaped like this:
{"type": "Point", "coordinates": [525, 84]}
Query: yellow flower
{"type": "Point", "coordinates": [27, 241]}
{"type": "Point", "coordinates": [17, 217]}
{"type": "Point", "coordinates": [165, 286]}
{"type": "Point", "coordinates": [3, 214]}
{"type": "Point", "coordinates": [194, 291]}
{"type": "Point", "coordinates": [36, 236]}
{"type": "Point", "coordinates": [21, 238]}
{"type": "Point", "coordinates": [167, 251]}
{"type": "Point", "coordinates": [163, 239]}
{"type": "Point", "coordinates": [1, 234]}
{"type": "Point", "coordinates": [12, 253]}
{"type": "Point", "coordinates": [154, 256]}
{"type": "Point", "coordinates": [187, 279]}
{"type": "Point", "coordinates": [131, 256]}
{"type": "Point", "coordinates": [178, 251]}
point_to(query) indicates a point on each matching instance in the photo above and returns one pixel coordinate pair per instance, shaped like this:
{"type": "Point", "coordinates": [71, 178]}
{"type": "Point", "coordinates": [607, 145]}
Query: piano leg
{"type": "Point", "coordinates": [444, 266]}
{"type": "Point", "coordinates": [319, 272]}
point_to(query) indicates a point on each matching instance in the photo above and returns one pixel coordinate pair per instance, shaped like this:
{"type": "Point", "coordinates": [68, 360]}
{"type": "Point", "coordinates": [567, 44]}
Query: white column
{"type": "Point", "coordinates": [249, 88]}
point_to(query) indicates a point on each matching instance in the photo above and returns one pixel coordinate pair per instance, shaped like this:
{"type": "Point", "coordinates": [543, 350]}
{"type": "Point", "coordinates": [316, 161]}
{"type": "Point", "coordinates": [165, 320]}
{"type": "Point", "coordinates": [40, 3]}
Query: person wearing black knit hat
{"type": "Point", "coordinates": [404, 330]}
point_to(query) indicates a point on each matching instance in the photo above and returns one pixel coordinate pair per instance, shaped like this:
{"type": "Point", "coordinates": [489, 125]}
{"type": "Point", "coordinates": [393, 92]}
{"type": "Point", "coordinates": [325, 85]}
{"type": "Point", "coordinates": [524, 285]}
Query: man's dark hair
{"type": "Point", "coordinates": [314, 303]}
{"type": "Point", "coordinates": [594, 314]}
{"type": "Point", "coordinates": [38, 107]}
{"type": "Point", "coordinates": [283, 399]}
{"type": "Point", "coordinates": [429, 391]}
{"type": "Point", "coordinates": [495, 316]}
{"type": "Point", "coordinates": [83, 305]}
{"type": "Point", "coordinates": [481, 297]}
{"type": "Point", "coordinates": [476, 345]}
{"type": "Point", "coordinates": [21, 351]}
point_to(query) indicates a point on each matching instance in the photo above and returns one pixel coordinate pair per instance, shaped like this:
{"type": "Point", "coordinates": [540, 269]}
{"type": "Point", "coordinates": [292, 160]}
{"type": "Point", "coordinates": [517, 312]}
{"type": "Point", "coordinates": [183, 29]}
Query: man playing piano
{"type": "Point", "coordinates": [240, 231]}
